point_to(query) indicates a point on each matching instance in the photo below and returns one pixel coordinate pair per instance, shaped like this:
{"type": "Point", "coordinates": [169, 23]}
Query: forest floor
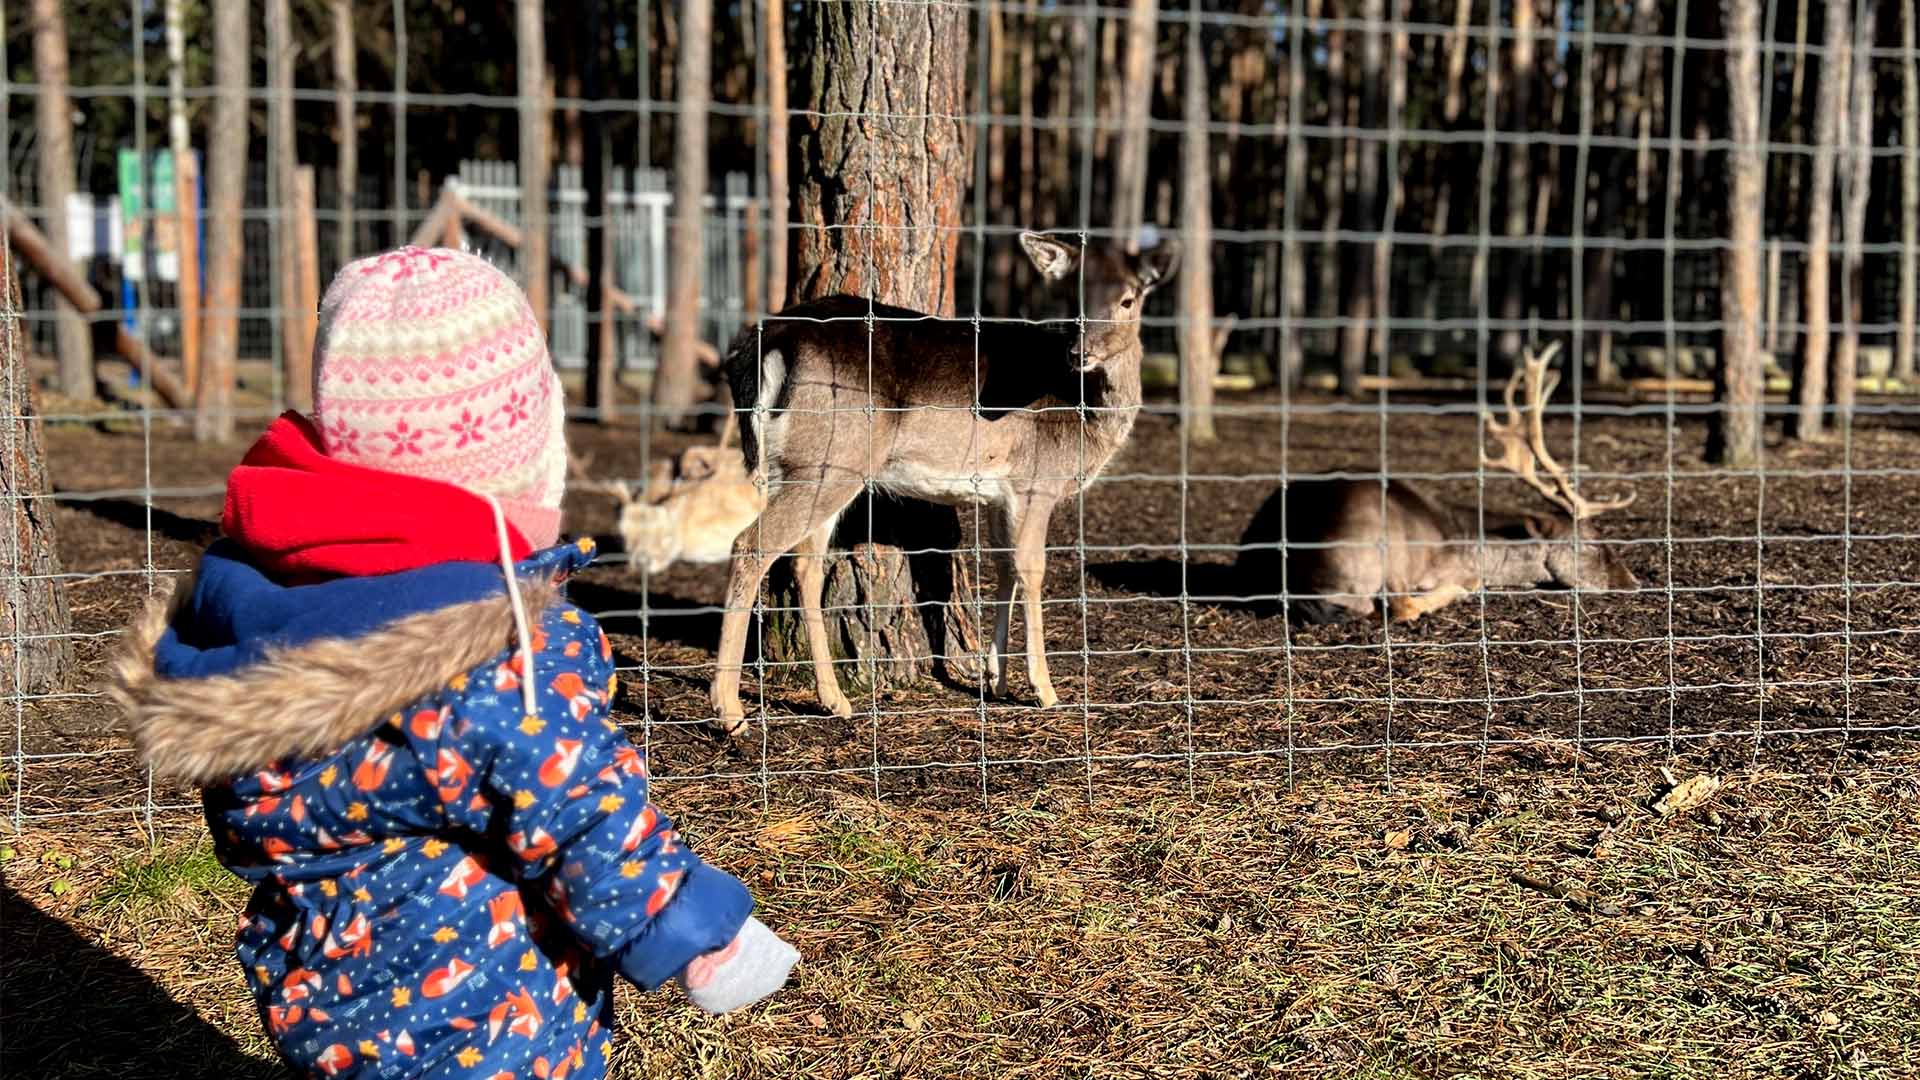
{"type": "Point", "coordinates": [1233, 849]}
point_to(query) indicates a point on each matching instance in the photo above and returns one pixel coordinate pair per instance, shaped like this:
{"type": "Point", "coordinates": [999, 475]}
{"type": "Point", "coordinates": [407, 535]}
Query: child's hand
{"type": "Point", "coordinates": [754, 964]}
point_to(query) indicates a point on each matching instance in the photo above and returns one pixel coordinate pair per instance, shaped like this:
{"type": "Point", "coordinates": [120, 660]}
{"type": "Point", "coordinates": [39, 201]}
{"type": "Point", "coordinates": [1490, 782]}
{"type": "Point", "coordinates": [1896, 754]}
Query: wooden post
{"type": "Point", "coordinates": [186, 177]}
{"type": "Point", "coordinates": [306, 313]}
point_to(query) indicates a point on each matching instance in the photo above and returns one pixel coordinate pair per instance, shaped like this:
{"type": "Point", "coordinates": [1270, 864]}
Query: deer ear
{"type": "Point", "coordinates": [1053, 258]}
{"type": "Point", "coordinates": [1156, 264]}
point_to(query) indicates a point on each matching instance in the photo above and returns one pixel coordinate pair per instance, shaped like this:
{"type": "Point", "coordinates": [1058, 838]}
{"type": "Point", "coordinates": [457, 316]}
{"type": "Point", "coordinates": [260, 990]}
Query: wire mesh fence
{"type": "Point", "coordinates": [1382, 209]}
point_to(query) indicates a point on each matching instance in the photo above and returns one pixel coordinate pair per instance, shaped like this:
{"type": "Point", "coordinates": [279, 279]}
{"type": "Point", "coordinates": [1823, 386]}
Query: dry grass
{"type": "Point", "coordinates": [1546, 923]}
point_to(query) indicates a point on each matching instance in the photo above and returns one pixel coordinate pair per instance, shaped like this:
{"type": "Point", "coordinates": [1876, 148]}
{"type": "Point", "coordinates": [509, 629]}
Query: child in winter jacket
{"type": "Point", "coordinates": [403, 731]}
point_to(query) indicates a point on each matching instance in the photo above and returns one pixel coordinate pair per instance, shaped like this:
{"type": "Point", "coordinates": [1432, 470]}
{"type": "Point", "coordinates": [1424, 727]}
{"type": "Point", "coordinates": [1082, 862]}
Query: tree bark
{"type": "Point", "coordinates": [1519, 184]}
{"type": "Point", "coordinates": [1858, 133]}
{"type": "Point", "coordinates": [1334, 191]}
{"type": "Point", "coordinates": [1359, 287]}
{"type": "Point", "coordinates": [778, 188]}
{"type": "Point", "coordinates": [603, 366]}
{"type": "Point", "coordinates": [226, 190]}
{"type": "Point", "coordinates": [1136, 96]}
{"type": "Point", "coordinates": [879, 208]}
{"type": "Point", "coordinates": [1815, 345]}
{"type": "Point", "coordinates": [1905, 360]}
{"type": "Point", "coordinates": [53, 123]}
{"type": "Point", "coordinates": [1629, 111]}
{"type": "Point", "coordinates": [186, 194]}
{"type": "Point", "coordinates": [677, 383]}
{"type": "Point", "coordinates": [1198, 364]}
{"type": "Point", "coordinates": [536, 151]}
{"type": "Point", "coordinates": [34, 621]}
{"type": "Point", "coordinates": [296, 363]}
{"type": "Point", "coordinates": [1293, 262]}
{"type": "Point", "coordinates": [1738, 436]}
{"type": "Point", "coordinates": [346, 59]}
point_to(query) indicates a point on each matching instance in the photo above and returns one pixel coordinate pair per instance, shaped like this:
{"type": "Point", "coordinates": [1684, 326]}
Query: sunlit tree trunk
{"type": "Point", "coordinates": [778, 188]}
{"type": "Point", "coordinates": [1359, 287]}
{"type": "Point", "coordinates": [346, 59]}
{"type": "Point", "coordinates": [1905, 359]}
{"type": "Point", "coordinates": [296, 355]}
{"type": "Point", "coordinates": [53, 122]}
{"type": "Point", "coordinates": [1198, 364]}
{"type": "Point", "coordinates": [1737, 441]}
{"type": "Point", "coordinates": [1858, 135]}
{"type": "Point", "coordinates": [34, 620]}
{"type": "Point", "coordinates": [536, 152]}
{"type": "Point", "coordinates": [186, 194]}
{"type": "Point", "coordinates": [1136, 95]}
{"type": "Point", "coordinates": [1519, 179]}
{"type": "Point", "coordinates": [227, 142]}
{"type": "Point", "coordinates": [1810, 369]}
{"type": "Point", "coordinates": [1612, 194]}
{"type": "Point", "coordinates": [678, 380]}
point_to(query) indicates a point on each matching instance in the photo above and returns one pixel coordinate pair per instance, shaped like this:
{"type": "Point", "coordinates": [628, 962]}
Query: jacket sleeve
{"type": "Point", "coordinates": [567, 794]}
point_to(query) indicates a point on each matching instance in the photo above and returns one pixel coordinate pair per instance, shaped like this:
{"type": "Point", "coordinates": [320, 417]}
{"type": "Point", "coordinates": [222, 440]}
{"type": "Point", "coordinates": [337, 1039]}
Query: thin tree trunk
{"type": "Point", "coordinates": [1029, 160]}
{"type": "Point", "coordinates": [1631, 109]}
{"type": "Point", "coordinates": [1858, 133]}
{"type": "Point", "coordinates": [1334, 197]}
{"type": "Point", "coordinates": [998, 203]}
{"type": "Point", "coordinates": [1198, 364]}
{"type": "Point", "coordinates": [1829, 115]}
{"type": "Point", "coordinates": [295, 361]}
{"type": "Point", "coordinates": [603, 366]}
{"type": "Point", "coordinates": [1136, 96]}
{"type": "Point", "coordinates": [678, 380]}
{"type": "Point", "coordinates": [536, 152]}
{"type": "Point", "coordinates": [1444, 157]}
{"type": "Point", "coordinates": [186, 195]}
{"type": "Point", "coordinates": [53, 122]}
{"type": "Point", "coordinates": [1905, 360]}
{"type": "Point", "coordinates": [1359, 287]}
{"type": "Point", "coordinates": [1737, 441]}
{"type": "Point", "coordinates": [346, 59]}
{"type": "Point", "coordinates": [879, 208]}
{"type": "Point", "coordinates": [1519, 183]}
{"type": "Point", "coordinates": [778, 191]}
{"type": "Point", "coordinates": [1293, 262]}
{"type": "Point", "coordinates": [227, 143]}
{"type": "Point", "coordinates": [34, 621]}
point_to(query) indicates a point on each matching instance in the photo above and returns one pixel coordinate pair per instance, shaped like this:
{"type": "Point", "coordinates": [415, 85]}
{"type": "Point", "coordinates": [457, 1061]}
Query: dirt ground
{"type": "Point", "coordinates": [1233, 848]}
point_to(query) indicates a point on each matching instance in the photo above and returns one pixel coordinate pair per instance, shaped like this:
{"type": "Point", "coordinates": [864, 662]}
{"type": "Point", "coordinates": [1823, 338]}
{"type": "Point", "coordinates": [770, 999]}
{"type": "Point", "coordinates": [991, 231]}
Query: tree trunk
{"type": "Point", "coordinates": [346, 59]}
{"type": "Point", "coordinates": [1334, 191]}
{"type": "Point", "coordinates": [1811, 368]}
{"type": "Point", "coordinates": [186, 195]}
{"type": "Point", "coordinates": [536, 152]}
{"type": "Point", "coordinates": [1136, 97]}
{"type": "Point", "coordinates": [1198, 364]}
{"type": "Point", "coordinates": [227, 144]}
{"type": "Point", "coordinates": [1737, 441]}
{"type": "Point", "coordinates": [1359, 285]}
{"type": "Point", "coordinates": [53, 123]}
{"type": "Point", "coordinates": [296, 361]}
{"type": "Point", "coordinates": [677, 382]}
{"type": "Point", "coordinates": [1029, 159]}
{"type": "Point", "coordinates": [1631, 108]}
{"type": "Point", "coordinates": [778, 192]}
{"type": "Point", "coordinates": [1519, 185]}
{"type": "Point", "coordinates": [1905, 360]}
{"type": "Point", "coordinates": [1858, 134]}
{"type": "Point", "coordinates": [34, 621]}
{"type": "Point", "coordinates": [603, 366]}
{"type": "Point", "coordinates": [879, 207]}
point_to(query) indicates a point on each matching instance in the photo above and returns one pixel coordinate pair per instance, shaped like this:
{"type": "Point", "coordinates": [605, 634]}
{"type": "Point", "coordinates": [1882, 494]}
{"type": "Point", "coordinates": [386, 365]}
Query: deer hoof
{"type": "Point", "coordinates": [1048, 699]}
{"type": "Point", "coordinates": [838, 705]}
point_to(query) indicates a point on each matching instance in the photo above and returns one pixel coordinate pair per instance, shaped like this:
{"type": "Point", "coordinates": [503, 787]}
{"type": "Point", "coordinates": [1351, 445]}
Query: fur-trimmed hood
{"type": "Point", "coordinates": [236, 672]}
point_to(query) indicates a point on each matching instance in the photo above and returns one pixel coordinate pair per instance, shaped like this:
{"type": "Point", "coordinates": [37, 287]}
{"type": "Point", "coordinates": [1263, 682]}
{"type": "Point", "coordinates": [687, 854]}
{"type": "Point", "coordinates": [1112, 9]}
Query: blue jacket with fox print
{"type": "Point", "coordinates": [445, 885]}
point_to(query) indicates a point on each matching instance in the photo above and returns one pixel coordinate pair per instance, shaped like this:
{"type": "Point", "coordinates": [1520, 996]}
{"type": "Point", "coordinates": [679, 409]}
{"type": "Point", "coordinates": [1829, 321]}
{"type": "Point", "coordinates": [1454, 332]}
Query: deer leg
{"type": "Point", "coordinates": [1030, 565]}
{"type": "Point", "coordinates": [1005, 574]}
{"type": "Point", "coordinates": [810, 568]}
{"type": "Point", "coordinates": [1409, 608]}
{"type": "Point", "coordinates": [793, 511]}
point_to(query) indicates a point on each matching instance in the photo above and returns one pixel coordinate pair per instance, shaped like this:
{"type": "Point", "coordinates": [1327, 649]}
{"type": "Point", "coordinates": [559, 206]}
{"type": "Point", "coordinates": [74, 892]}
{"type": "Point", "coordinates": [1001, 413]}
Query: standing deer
{"type": "Point", "coordinates": [842, 392]}
{"type": "Point", "coordinates": [1355, 544]}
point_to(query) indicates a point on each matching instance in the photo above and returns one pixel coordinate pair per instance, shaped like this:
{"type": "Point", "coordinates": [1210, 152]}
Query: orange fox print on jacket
{"type": "Point", "coordinates": [445, 885]}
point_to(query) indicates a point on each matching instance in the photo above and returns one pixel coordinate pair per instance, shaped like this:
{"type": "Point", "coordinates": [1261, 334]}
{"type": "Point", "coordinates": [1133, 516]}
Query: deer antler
{"type": "Point", "coordinates": [577, 471]}
{"type": "Point", "coordinates": [1523, 442]}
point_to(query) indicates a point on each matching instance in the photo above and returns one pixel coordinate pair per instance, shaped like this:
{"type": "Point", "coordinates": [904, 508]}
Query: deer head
{"type": "Point", "coordinates": [1114, 285]}
{"type": "Point", "coordinates": [1523, 452]}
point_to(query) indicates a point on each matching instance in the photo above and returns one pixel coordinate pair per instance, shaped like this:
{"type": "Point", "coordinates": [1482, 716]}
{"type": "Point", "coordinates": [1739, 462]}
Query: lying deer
{"type": "Point", "coordinates": [1424, 554]}
{"type": "Point", "coordinates": [691, 514]}
{"type": "Point", "coordinates": [840, 392]}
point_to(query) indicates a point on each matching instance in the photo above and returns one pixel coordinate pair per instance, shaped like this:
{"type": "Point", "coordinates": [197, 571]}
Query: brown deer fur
{"type": "Point", "coordinates": [841, 392]}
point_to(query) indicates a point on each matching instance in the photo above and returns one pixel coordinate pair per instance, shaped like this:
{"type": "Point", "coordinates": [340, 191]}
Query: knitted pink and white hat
{"type": "Point", "coordinates": [431, 363]}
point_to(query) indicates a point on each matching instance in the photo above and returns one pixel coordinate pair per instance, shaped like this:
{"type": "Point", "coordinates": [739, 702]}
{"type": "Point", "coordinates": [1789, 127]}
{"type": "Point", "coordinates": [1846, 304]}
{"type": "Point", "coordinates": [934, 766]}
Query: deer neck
{"type": "Point", "coordinates": [1508, 563]}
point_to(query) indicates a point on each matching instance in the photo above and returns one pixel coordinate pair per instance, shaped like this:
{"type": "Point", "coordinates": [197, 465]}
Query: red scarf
{"type": "Point", "coordinates": [302, 515]}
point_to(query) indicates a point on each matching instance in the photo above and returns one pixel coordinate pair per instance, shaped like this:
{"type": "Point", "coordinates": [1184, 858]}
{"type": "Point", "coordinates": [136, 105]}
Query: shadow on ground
{"type": "Point", "coordinates": [74, 1009]}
